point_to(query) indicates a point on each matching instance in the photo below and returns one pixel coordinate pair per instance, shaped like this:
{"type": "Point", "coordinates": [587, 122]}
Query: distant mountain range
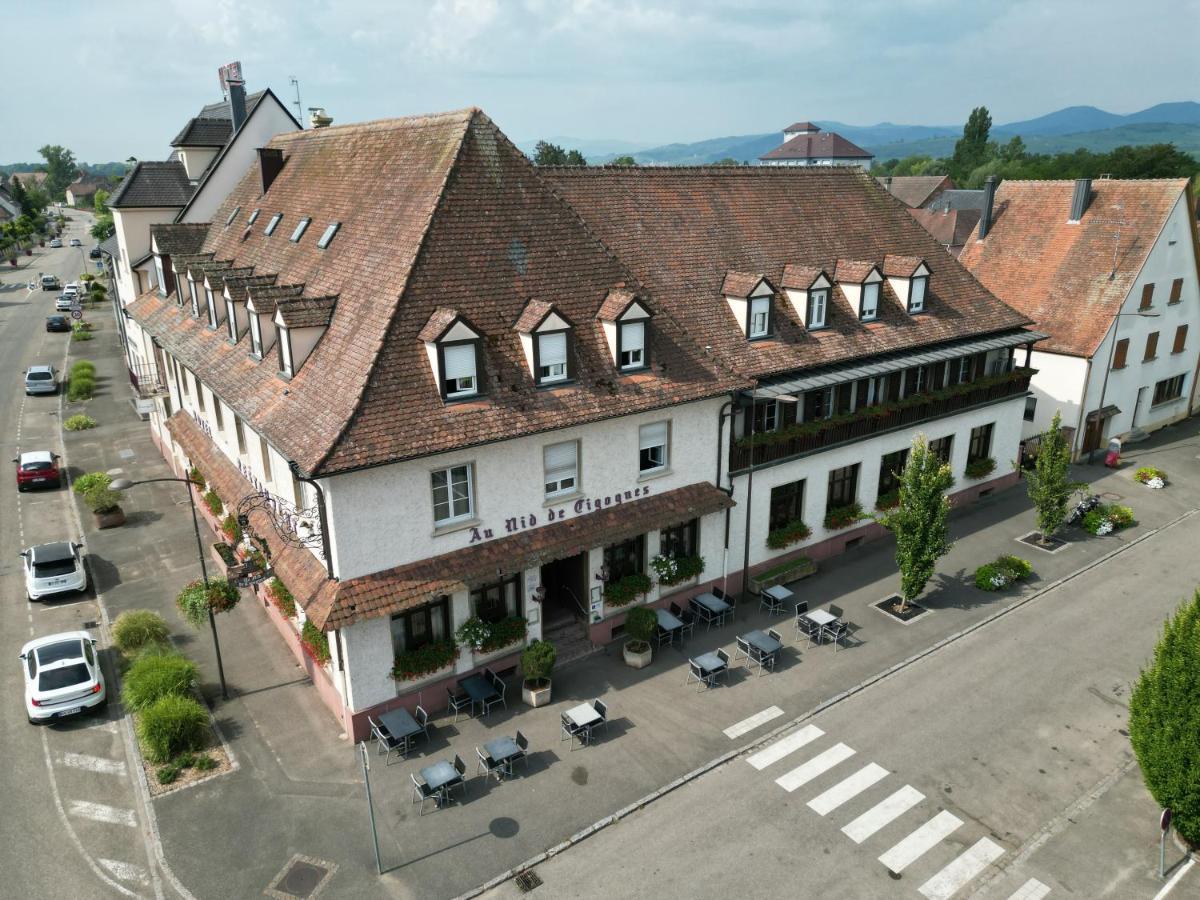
{"type": "Point", "coordinates": [1063, 130]}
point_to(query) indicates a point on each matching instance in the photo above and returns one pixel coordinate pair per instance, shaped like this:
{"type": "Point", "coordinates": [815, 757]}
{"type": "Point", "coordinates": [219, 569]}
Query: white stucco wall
{"type": "Point", "coordinates": [815, 470]}
{"type": "Point", "coordinates": [1172, 256]}
{"type": "Point", "coordinates": [133, 240]}
{"type": "Point", "coordinates": [1058, 387]}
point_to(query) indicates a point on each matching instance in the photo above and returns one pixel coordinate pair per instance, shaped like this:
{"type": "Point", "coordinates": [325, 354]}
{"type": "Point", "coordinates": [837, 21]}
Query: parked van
{"type": "Point", "coordinates": [49, 282]}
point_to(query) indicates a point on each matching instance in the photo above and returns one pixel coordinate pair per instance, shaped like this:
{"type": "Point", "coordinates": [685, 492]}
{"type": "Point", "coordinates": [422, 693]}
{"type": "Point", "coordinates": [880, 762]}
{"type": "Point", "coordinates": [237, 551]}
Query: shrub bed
{"type": "Point", "coordinates": [197, 478]}
{"type": "Point", "coordinates": [1107, 518]}
{"type": "Point", "coordinates": [79, 422]}
{"type": "Point", "coordinates": [213, 502]}
{"type": "Point", "coordinates": [154, 676]}
{"type": "Point", "coordinates": [138, 628]}
{"type": "Point", "coordinates": [1151, 477]}
{"type": "Point", "coordinates": [315, 642]}
{"type": "Point", "coordinates": [1002, 572]}
{"type": "Point", "coordinates": [170, 726]}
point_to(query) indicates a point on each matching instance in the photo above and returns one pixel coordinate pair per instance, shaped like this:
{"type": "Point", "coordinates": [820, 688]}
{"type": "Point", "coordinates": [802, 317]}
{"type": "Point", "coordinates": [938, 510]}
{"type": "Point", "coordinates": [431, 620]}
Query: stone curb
{"type": "Point", "coordinates": [816, 710]}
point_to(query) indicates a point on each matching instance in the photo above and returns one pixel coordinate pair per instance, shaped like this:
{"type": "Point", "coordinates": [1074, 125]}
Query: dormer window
{"type": "Point", "coordinates": [869, 310]}
{"type": "Point", "coordinates": [213, 315]}
{"type": "Point", "coordinates": [195, 298]}
{"type": "Point", "coordinates": [760, 317]}
{"type": "Point", "coordinates": [163, 272]}
{"type": "Point", "coordinates": [460, 376]}
{"type": "Point", "coordinates": [631, 345]}
{"type": "Point", "coordinates": [299, 324]}
{"type": "Point", "coordinates": [231, 319]}
{"type": "Point", "coordinates": [299, 232]}
{"type": "Point", "coordinates": [546, 342]}
{"type": "Point", "coordinates": [273, 224]}
{"type": "Point", "coordinates": [749, 297]}
{"type": "Point", "coordinates": [807, 289]}
{"type": "Point", "coordinates": [256, 345]}
{"type": "Point", "coordinates": [909, 278]}
{"type": "Point", "coordinates": [818, 303]}
{"type": "Point", "coordinates": [285, 352]}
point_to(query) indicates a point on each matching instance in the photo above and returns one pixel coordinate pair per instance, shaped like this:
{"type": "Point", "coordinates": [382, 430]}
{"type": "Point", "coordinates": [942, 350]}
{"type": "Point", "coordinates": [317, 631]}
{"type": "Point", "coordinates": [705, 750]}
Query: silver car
{"type": "Point", "coordinates": [41, 380]}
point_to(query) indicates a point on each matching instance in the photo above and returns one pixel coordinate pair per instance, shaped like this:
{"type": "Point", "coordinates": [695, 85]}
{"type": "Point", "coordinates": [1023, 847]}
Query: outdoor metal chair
{"type": "Point", "coordinates": [724, 657]}
{"type": "Point", "coordinates": [836, 611]}
{"type": "Point", "coordinates": [422, 719]}
{"type": "Point", "coordinates": [837, 632]}
{"type": "Point", "coordinates": [422, 792]}
{"type": "Point", "coordinates": [600, 707]}
{"type": "Point", "coordinates": [569, 730]}
{"type": "Point", "coordinates": [499, 687]}
{"type": "Point", "coordinates": [687, 617]}
{"type": "Point", "coordinates": [387, 743]}
{"type": "Point", "coordinates": [486, 765]}
{"type": "Point", "coordinates": [773, 605]}
{"type": "Point", "coordinates": [768, 661]}
{"type": "Point", "coordinates": [663, 636]}
{"type": "Point", "coordinates": [523, 744]}
{"type": "Point", "coordinates": [458, 702]}
{"type": "Point", "coordinates": [461, 768]}
{"type": "Point", "coordinates": [743, 650]}
{"type": "Point", "coordinates": [695, 673]}
{"type": "Point", "coordinates": [801, 609]}
{"type": "Point", "coordinates": [704, 614]}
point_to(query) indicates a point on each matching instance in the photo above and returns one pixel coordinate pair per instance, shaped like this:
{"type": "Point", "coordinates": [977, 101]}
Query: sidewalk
{"type": "Point", "coordinates": [298, 789]}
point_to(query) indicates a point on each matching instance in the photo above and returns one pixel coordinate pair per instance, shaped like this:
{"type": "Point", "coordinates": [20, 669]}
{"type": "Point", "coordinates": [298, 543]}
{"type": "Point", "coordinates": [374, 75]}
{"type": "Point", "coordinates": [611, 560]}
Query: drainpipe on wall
{"type": "Point", "coordinates": [294, 468]}
{"type": "Point", "coordinates": [749, 500]}
{"type": "Point", "coordinates": [726, 412]}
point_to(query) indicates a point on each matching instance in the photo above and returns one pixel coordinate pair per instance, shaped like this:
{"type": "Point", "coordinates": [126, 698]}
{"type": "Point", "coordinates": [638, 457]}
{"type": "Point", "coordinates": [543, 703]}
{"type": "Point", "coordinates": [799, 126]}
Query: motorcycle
{"type": "Point", "coordinates": [1082, 508]}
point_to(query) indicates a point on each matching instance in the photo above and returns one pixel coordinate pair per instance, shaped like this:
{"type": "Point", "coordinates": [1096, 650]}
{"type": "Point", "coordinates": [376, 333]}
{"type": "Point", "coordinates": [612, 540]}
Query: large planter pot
{"type": "Point", "coordinates": [637, 659]}
{"type": "Point", "coordinates": [29, 252]}
{"type": "Point", "coordinates": [110, 519]}
{"type": "Point", "coordinates": [536, 693]}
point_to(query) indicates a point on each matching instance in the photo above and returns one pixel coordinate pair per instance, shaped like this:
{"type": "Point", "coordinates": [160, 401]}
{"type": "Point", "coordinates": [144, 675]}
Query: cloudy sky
{"type": "Point", "coordinates": [117, 78]}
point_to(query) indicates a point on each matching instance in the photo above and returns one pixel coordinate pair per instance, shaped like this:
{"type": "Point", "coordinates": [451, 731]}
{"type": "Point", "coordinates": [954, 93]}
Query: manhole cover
{"type": "Point", "coordinates": [302, 877]}
{"type": "Point", "coordinates": [527, 881]}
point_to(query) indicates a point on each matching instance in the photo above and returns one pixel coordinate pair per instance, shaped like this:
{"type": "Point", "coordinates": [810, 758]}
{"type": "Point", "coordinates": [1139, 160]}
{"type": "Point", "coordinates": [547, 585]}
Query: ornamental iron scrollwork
{"type": "Point", "coordinates": [295, 527]}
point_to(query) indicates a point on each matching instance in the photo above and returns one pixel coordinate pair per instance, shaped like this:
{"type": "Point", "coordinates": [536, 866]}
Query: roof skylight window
{"type": "Point", "coordinates": [299, 232]}
{"type": "Point", "coordinates": [233, 215]}
{"type": "Point", "coordinates": [270, 229]}
{"type": "Point", "coordinates": [253, 216]}
{"type": "Point", "coordinates": [328, 235]}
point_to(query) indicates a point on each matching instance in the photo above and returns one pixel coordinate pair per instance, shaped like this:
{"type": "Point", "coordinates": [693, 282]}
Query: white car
{"type": "Point", "coordinates": [62, 676]}
{"type": "Point", "coordinates": [53, 569]}
{"type": "Point", "coordinates": [64, 302]}
{"type": "Point", "coordinates": [71, 289]}
{"type": "Point", "coordinates": [76, 242]}
{"type": "Point", "coordinates": [55, 243]}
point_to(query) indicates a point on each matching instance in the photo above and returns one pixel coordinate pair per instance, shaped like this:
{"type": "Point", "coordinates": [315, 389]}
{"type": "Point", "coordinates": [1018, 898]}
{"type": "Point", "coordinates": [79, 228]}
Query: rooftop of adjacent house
{"type": "Point", "coordinates": [433, 212]}
{"type": "Point", "coordinates": [801, 126]}
{"type": "Point", "coordinates": [958, 198]}
{"type": "Point", "coordinates": [821, 145]}
{"type": "Point", "coordinates": [950, 228]}
{"type": "Point", "coordinates": [220, 109]}
{"type": "Point", "coordinates": [1062, 273]}
{"type": "Point", "coordinates": [914, 191]}
{"type": "Point", "coordinates": [682, 230]}
{"type": "Point", "coordinates": [153, 184]}
{"type": "Point", "coordinates": [204, 132]}
{"type": "Point", "coordinates": [181, 239]}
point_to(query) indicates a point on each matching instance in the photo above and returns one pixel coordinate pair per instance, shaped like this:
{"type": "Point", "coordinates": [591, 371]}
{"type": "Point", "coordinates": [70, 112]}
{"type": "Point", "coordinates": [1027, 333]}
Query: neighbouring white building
{"type": "Point", "coordinates": [465, 402]}
{"type": "Point", "coordinates": [1108, 269]}
{"type": "Point", "coordinates": [805, 144]}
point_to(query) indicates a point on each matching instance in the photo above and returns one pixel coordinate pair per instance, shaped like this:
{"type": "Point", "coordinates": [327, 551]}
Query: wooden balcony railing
{"type": "Point", "coordinates": [811, 436]}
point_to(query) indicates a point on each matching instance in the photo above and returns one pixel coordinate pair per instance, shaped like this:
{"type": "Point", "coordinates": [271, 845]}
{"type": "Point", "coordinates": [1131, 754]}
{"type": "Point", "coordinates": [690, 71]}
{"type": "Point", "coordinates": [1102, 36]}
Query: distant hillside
{"type": "Point", "coordinates": [1066, 129]}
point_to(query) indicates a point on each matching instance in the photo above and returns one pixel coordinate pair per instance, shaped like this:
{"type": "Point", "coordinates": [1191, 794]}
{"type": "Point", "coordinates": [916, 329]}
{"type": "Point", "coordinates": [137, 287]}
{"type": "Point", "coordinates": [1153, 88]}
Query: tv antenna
{"type": "Point", "coordinates": [299, 109]}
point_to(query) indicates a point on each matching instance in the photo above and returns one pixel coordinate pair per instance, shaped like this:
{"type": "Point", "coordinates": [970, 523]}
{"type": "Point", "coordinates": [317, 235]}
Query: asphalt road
{"type": "Point", "coordinates": [994, 748]}
{"type": "Point", "coordinates": [74, 826]}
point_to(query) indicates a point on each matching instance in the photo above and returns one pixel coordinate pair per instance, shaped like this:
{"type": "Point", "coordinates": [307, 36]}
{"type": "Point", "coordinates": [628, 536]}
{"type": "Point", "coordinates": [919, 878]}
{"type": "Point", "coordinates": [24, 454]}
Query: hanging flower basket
{"type": "Point", "coordinates": [673, 570]}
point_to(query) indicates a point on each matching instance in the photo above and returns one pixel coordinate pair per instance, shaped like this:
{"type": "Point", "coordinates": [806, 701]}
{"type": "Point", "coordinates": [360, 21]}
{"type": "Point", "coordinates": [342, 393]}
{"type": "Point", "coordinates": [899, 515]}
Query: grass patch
{"type": "Point", "coordinates": [137, 628]}
{"type": "Point", "coordinates": [170, 726]}
{"type": "Point", "coordinates": [79, 422]}
{"type": "Point", "coordinates": [155, 676]}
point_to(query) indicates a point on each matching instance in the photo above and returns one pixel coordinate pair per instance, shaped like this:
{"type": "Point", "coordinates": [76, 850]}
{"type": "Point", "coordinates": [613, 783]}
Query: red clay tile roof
{"type": "Point", "coordinates": [615, 303]}
{"type": "Point", "coordinates": [680, 229]}
{"type": "Point", "coordinates": [1058, 274]}
{"type": "Point", "coordinates": [914, 191]}
{"type": "Point", "coordinates": [853, 271]}
{"type": "Point", "coordinates": [182, 239]}
{"type": "Point", "coordinates": [801, 277]}
{"type": "Point", "coordinates": [435, 211]}
{"type": "Point", "coordinates": [739, 284]}
{"type": "Point", "coordinates": [900, 266]}
{"type": "Point", "coordinates": [823, 145]}
{"type": "Point", "coordinates": [950, 228]}
{"type": "Point", "coordinates": [307, 312]}
{"type": "Point", "coordinates": [801, 126]}
{"type": "Point", "coordinates": [532, 316]}
{"type": "Point", "coordinates": [441, 320]}
{"type": "Point", "coordinates": [393, 590]}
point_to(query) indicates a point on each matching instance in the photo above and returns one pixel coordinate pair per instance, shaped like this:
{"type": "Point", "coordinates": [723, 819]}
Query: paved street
{"type": "Point", "coordinates": [74, 782]}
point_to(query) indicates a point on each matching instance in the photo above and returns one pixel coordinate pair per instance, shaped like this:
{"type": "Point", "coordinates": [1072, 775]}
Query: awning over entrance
{"type": "Point", "coordinates": [1106, 412]}
{"type": "Point", "coordinates": [410, 585]}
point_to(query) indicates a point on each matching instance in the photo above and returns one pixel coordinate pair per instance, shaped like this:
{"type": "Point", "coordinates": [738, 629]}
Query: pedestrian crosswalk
{"type": "Point", "coordinates": [898, 807]}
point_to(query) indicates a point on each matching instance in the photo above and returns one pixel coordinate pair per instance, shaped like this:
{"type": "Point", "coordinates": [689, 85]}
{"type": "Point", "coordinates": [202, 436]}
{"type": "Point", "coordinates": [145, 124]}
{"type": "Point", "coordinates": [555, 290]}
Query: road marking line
{"type": "Point", "coordinates": [782, 748]}
{"type": "Point", "coordinates": [847, 790]}
{"type": "Point", "coordinates": [920, 841]}
{"type": "Point", "coordinates": [883, 813]}
{"type": "Point", "coordinates": [1030, 890]}
{"type": "Point", "coordinates": [123, 870]}
{"type": "Point", "coordinates": [747, 725]}
{"type": "Point", "coordinates": [99, 812]}
{"type": "Point", "coordinates": [93, 763]}
{"type": "Point", "coordinates": [966, 867]}
{"type": "Point", "coordinates": [1178, 875]}
{"type": "Point", "coordinates": [823, 762]}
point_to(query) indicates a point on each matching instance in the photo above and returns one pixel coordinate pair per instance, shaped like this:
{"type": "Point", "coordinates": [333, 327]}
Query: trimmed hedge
{"type": "Point", "coordinates": [154, 676]}
{"type": "Point", "coordinates": [138, 628]}
{"type": "Point", "coordinates": [170, 726]}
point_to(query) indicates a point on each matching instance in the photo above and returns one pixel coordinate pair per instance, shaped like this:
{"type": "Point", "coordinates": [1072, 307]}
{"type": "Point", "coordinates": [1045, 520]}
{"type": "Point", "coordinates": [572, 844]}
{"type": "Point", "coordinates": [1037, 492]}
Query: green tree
{"type": "Point", "coordinates": [1050, 487]}
{"type": "Point", "coordinates": [624, 161]}
{"type": "Point", "coordinates": [102, 228]}
{"type": "Point", "coordinates": [972, 148]}
{"type": "Point", "coordinates": [1164, 720]}
{"type": "Point", "coordinates": [100, 202]}
{"type": "Point", "coordinates": [921, 521]}
{"type": "Point", "coordinates": [1013, 150]}
{"type": "Point", "coordinates": [575, 158]}
{"type": "Point", "coordinates": [727, 161]}
{"type": "Point", "coordinates": [60, 169]}
{"type": "Point", "coordinates": [547, 154]}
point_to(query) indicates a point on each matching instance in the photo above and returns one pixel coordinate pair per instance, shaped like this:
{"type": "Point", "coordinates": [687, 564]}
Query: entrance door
{"type": "Point", "coordinates": [1093, 435]}
{"type": "Point", "coordinates": [563, 580]}
{"type": "Point", "coordinates": [1137, 404]}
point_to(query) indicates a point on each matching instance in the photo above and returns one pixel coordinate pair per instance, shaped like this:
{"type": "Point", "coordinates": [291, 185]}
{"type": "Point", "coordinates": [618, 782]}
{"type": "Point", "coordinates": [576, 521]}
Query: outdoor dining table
{"type": "Point", "coordinates": [440, 776]}
{"type": "Point", "coordinates": [669, 623]}
{"type": "Point", "coordinates": [502, 751]}
{"type": "Point", "coordinates": [709, 663]}
{"type": "Point", "coordinates": [478, 689]}
{"type": "Point", "coordinates": [779, 592]}
{"type": "Point", "coordinates": [821, 616]}
{"type": "Point", "coordinates": [400, 725]}
{"type": "Point", "coordinates": [583, 716]}
{"type": "Point", "coordinates": [763, 642]}
{"type": "Point", "coordinates": [714, 605]}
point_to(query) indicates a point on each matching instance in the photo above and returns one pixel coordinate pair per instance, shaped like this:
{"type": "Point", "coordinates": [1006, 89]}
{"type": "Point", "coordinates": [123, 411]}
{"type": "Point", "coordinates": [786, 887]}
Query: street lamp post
{"type": "Point", "coordinates": [1112, 347]}
{"type": "Point", "coordinates": [122, 484]}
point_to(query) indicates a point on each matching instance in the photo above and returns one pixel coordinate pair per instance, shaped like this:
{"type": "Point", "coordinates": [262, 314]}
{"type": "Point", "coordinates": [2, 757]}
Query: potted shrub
{"type": "Point", "coordinates": [105, 505]}
{"type": "Point", "coordinates": [537, 661]}
{"type": "Point", "coordinates": [639, 625]}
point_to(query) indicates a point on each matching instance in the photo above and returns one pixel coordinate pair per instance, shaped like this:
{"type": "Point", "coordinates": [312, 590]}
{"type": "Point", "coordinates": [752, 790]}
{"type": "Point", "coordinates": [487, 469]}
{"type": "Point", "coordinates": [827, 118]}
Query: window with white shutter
{"type": "Point", "coordinates": [459, 378]}
{"type": "Point", "coordinates": [562, 468]}
{"type": "Point", "coordinates": [760, 317]}
{"type": "Point", "coordinates": [870, 301]}
{"type": "Point", "coordinates": [632, 345]}
{"type": "Point", "coordinates": [652, 447]}
{"type": "Point", "coordinates": [916, 297]}
{"type": "Point", "coordinates": [552, 357]}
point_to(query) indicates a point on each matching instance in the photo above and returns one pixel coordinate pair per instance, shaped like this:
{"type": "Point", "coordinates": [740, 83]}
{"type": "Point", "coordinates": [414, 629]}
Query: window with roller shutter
{"type": "Point", "coordinates": [652, 447]}
{"type": "Point", "coordinates": [551, 357]}
{"type": "Point", "coordinates": [460, 377]}
{"type": "Point", "coordinates": [561, 468]}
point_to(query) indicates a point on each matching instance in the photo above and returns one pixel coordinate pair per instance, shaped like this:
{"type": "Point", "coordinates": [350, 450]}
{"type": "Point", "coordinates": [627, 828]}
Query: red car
{"type": "Point", "coordinates": [38, 469]}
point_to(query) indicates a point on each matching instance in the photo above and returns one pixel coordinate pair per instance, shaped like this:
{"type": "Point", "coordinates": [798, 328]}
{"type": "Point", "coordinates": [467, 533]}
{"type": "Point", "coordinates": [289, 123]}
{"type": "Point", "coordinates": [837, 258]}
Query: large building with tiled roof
{"type": "Point", "coordinates": [805, 144]}
{"type": "Point", "coordinates": [449, 391]}
{"type": "Point", "coordinates": [1107, 269]}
